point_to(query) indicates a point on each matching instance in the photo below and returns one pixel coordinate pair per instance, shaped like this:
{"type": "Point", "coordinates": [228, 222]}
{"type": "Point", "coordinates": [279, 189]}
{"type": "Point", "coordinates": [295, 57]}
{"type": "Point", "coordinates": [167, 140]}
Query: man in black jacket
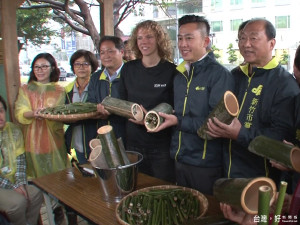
{"type": "Point", "coordinates": [199, 85]}
{"type": "Point", "coordinates": [266, 94]}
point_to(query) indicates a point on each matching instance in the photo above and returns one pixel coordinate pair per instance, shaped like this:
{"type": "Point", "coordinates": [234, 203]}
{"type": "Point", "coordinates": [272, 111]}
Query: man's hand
{"type": "Point", "coordinates": [218, 129]}
{"type": "Point", "coordinates": [102, 112]}
{"type": "Point", "coordinates": [238, 216]}
{"type": "Point", "coordinates": [170, 120]}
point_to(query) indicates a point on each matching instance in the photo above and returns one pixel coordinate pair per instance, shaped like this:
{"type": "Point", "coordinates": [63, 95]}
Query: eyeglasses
{"type": "Point", "coordinates": [43, 67]}
{"type": "Point", "coordinates": [84, 65]}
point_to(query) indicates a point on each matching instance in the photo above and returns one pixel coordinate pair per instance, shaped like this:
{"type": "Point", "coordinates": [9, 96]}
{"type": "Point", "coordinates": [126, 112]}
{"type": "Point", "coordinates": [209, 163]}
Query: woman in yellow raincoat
{"type": "Point", "coordinates": [44, 139]}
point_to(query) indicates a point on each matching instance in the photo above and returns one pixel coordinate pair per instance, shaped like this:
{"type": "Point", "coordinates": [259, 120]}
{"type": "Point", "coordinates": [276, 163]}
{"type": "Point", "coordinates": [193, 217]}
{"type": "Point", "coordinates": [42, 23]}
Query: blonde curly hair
{"type": "Point", "coordinates": [164, 44]}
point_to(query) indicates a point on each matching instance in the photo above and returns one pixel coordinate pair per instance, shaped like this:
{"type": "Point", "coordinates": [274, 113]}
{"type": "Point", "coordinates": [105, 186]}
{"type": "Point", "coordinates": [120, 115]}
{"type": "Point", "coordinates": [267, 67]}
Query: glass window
{"type": "Point", "coordinates": [234, 24]}
{"type": "Point", "coordinates": [282, 21]}
{"type": "Point", "coordinates": [236, 2]}
{"type": "Point", "coordinates": [216, 4]}
{"type": "Point", "coordinates": [217, 26]}
{"type": "Point", "coordinates": [186, 7]}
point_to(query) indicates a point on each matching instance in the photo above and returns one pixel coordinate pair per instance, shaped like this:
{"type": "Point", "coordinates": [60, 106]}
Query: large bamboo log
{"type": "Point", "coordinates": [225, 111]}
{"type": "Point", "coordinates": [278, 151]}
{"type": "Point", "coordinates": [242, 193]}
{"type": "Point", "coordinates": [94, 143]}
{"type": "Point", "coordinates": [123, 108]}
{"type": "Point", "coordinates": [110, 147]}
{"type": "Point", "coordinates": [264, 204]}
{"type": "Point", "coordinates": [153, 120]}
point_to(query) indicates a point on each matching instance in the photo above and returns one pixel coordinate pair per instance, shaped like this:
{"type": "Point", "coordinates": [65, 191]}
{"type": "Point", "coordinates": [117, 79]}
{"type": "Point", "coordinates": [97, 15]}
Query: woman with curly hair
{"type": "Point", "coordinates": [148, 81]}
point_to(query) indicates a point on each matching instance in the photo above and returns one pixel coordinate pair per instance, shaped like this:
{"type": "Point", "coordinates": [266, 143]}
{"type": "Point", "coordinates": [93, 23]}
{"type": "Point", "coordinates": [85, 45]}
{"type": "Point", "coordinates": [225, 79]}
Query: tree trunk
{"type": "Point", "coordinates": [123, 108]}
{"type": "Point", "coordinates": [110, 147]}
{"type": "Point", "coordinates": [225, 111]}
{"type": "Point", "coordinates": [264, 204]}
{"type": "Point", "coordinates": [278, 151]}
{"type": "Point", "coordinates": [242, 192]}
{"type": "Point", "coordinates": [153, 120]}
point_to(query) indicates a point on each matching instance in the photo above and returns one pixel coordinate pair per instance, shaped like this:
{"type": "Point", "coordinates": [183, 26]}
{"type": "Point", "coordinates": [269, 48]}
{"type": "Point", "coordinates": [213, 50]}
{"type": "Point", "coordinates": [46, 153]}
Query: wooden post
{"type": "Point", "coordinates": [10, 50]}
{"type": "Point", "coordinates": [106, 18]}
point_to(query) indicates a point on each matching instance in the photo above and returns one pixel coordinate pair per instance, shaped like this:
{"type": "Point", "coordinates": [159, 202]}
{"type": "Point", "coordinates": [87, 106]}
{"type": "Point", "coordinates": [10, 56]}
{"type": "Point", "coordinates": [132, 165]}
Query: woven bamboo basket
{"type": "Point", "coordinates": [68, 117]}
{"type": "Point", "coordinates": [203, 202]}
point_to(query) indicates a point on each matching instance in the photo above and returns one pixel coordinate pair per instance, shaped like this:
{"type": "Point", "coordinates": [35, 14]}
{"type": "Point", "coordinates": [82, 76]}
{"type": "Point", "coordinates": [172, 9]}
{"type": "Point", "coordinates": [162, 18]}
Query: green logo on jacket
{"type": "Point", "coordinates": [200, 88]}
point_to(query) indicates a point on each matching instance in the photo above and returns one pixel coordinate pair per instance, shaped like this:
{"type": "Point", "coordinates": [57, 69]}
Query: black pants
{"type": "Point", "coordinates": [201, 179]}
{"type": "Point", "coordinates": [156, 162]}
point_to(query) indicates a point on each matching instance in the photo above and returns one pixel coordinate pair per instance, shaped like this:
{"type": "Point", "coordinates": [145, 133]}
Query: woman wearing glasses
{"type": "Point", "coordinates": [44, 139]}
{"type": "Point", "coordinates": [83, 64]}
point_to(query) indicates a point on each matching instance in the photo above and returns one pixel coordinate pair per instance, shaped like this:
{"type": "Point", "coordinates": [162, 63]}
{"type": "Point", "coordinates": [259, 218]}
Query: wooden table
{"type": "Point", "coordinates": [83, 194]}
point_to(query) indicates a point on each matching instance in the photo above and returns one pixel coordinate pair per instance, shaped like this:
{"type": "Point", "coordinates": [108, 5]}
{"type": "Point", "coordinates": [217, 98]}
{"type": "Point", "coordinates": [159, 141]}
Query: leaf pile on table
{"type": "Point", "coordinates": [161, 206]}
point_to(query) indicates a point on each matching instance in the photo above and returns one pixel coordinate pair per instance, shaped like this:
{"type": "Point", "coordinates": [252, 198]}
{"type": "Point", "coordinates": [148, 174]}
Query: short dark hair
{"type": "Point", "coordinates": [269, 27]}
{"type": "Point", "coordinates": [297, 58]}
{"type": "Point", "coordinates": [88, 56]}
{"type": "Point", "coordinates": [3, 102]}
{"type": "Point", "coordinates": [116, 40]}
{"type": "Point", "coordinates": [200, 20]}
{"type": "Point", "coordinates": [55, 72]}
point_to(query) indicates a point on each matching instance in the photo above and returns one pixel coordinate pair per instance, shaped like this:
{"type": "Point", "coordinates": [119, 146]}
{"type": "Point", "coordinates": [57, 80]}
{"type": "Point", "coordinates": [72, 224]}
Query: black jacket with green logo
{"type": "Point", "coordinates": [266, 101]}
{"type": "Point", "coordinates": [195, 96]}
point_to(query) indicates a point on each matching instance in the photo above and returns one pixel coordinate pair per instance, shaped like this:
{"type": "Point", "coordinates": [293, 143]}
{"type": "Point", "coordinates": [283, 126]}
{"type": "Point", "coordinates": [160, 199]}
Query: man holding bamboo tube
{"type": "Point", "coordinates": [105, 83]}
{"type": "Point", "coordinates": [266, 94]}
{"type": "Point", "coordinates": [199, 84]}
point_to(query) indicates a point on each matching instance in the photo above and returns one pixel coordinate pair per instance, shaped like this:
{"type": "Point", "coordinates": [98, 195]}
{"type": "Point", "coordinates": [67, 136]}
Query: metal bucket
{"type": "Point", "coordinates": [120, 181]}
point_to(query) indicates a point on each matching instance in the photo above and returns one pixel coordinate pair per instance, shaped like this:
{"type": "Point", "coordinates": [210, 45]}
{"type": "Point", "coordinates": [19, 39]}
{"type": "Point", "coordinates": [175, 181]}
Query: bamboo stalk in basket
{"type": "Point", "coordinates": [153, 120]}
{"type": "Point", "coordinates": [264, 204]}
{"type": "Point", "coordinates": [225, 111]}
{"type": "Point", "coordinates": [242, 192]}
{"type": "Point", "coordinates": [278, 151]}
{"type": "Point", "coordinates": [123, 108]}
{"type": "Point", "coordinates": [110, 147]}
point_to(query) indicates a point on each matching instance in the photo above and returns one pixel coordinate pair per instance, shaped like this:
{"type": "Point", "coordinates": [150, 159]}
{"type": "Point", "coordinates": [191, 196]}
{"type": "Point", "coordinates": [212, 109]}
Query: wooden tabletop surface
{"type": "Point", "coordinates": [84, 196]}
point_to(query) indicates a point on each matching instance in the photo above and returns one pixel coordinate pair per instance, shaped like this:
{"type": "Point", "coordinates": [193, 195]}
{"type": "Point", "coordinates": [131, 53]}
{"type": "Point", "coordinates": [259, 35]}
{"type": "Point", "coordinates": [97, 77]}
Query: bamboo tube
{"type": "Point", "coordinates": [242, 192]}
{"type": "Point", "coordinates": [153, 120]}
{"type": "Point", "coordinates": [123, 151]}
{"type": "Point", "coordinates": [97, 158]}
{"type": "Point", "coordinates": [225, 111]}
{"type": "Point", "coordinates": [94, 143]}
{"type": "Point", "coordinates": [280, 200]}
{"type": "Point", "coordinates": [123, 108]}
{"type": "Point", "coordinates": [278, 151]}
{"type": "Point", "coordinates": [110, 147]}
{"type": "Point", "coordinates": [264, 204]}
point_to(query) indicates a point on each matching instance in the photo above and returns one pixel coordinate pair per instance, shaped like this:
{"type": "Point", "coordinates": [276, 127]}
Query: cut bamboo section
{"type": "Point", "coordinates": [278, 151]}
{"type": "Point", "coordinates": [123, 108]}
{"type": "Point", "coordinates": [153, 120]}
{"type": "Point", "coordinates": [94, 143]}
{"type": "Point", "coordinates": [110, 147]}
{"type": "Point", "coordinates": [225, 111]}
{"type": "Point", "coordinates": [97, 158]}
{"type": "Point", "coordinates": [242, 192]}
{"type": "Point", "coordinates": [123, 151]}
{"type": "Point", "coordinates": [264, 204]}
